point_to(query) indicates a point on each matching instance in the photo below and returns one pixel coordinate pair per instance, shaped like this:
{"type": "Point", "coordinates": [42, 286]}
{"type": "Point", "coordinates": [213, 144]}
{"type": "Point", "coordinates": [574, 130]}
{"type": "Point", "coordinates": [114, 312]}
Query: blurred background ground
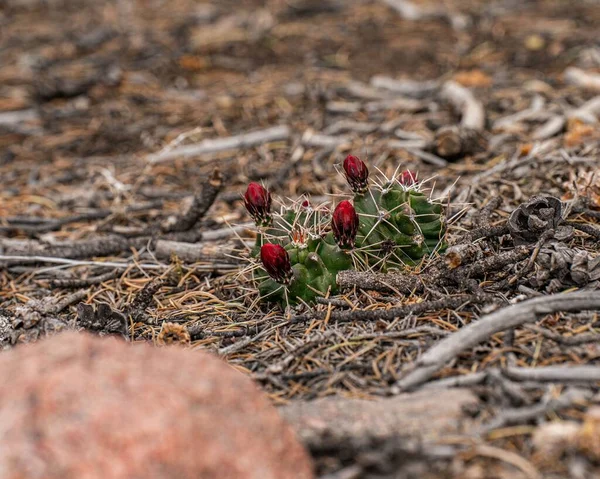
{"type": "Point", "coordinates": [91, 93]}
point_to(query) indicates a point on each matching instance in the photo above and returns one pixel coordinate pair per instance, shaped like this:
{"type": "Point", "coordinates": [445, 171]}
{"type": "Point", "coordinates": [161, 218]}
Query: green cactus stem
{"type": "Point", "coordinates": [302, 249]}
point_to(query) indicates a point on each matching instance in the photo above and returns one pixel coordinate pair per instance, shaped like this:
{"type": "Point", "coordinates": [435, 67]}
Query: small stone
{"type": "Point", "coordinates": [77, 405]}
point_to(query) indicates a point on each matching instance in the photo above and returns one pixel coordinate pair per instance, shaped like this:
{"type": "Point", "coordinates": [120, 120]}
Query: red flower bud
{"type": "Point", "coordinates": [258, 203]}
{"type": "Point", "coordinates": [357, 174]}
{"type": "Point", "coordinates": [407, 178]}
{"type": "Point", "coordinates": [276, 262]}
{"type": "Point", "coordinates": [344, 224]}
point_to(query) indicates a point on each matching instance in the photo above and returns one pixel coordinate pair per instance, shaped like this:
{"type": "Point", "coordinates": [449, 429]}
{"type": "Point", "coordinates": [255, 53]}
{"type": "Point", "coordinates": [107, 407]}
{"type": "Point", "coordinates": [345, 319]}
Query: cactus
{"type": "Point", "coordinates": [389, 226]}
{"type": "Point", "coordinates": [399, 224]}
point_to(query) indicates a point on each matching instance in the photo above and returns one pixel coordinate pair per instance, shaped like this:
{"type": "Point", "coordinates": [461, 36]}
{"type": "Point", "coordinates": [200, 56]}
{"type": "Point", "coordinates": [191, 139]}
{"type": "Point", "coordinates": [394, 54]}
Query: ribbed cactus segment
{"type": "Point", "coordinates": [398, 226]}
{"type": "Point", "coordinates": [303, 249]}
{"type": "Point", "coordinates": [314, 265]}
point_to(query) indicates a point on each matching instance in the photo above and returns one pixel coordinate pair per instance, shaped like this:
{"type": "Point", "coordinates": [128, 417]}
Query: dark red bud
{"type": "Point", "coordinates": [258, 203]}
{"type": "Point", "coordinates": [306, 204]}
{"type": "Point", "coordinates": [344, 224]}
{"type": "Point", "coordinates": [357, 174]}
{"type": "Point", "coordinates": [276, 262]}
{"type": "Point", "coordinates": [407, 178]}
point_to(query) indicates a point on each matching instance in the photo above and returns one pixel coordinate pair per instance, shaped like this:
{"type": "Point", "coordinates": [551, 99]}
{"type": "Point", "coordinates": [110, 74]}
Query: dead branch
{"type": "Point", "coordinates": [520, 415]}
{"type": "Point", "coordinates": [228, 232]}
{"type": "Point", "coordinates": [552, 127]}
{"type": "Point", "coordinates": [237, 142]}
{"type": "Point", "coordinates": [450, 302]}
{"type": "Point", "coordinates": [403, 283]}
{"type": "Point", "coordinates": [476, 332]}
{"type": "Point", "coordinates": [81, 283]}
{"type": "Point", "coordinates": [463, 100]}
{"type": "Point", "coordinates": [179, 228]}
{"type": "Point", "coordinates": [55, 306]}
{"type": "Point", "coordinates": [483, 217]}
{"type": "Point", "coordinates": [585, 228]}
{"type": "Point", "coordinates": [458, 255]}
{"type": "Point", "coordinates": [578, 77]}
{"type": "Point", "coordinates": [107, 246]}
{"type": "Point", "coordinates": [415, 415]}
{"type": "Point", "coordinates": [407, 87]}
{"type": "Point", "coordinates": [310, 138]}
{"type": "Point", "coordinates": [566, 340]}
{"type": "Point", "coordinates": [491, 263]}
{"type": "Point", "coordinates": [351, 126]}
{"type": "Point", "coordinates": [201, 203]}
{"type": "Point", "coordinates": [427, 157]}
{"type": "Point", "coordinates": [589, 112]}
{"type": "Point", "coordinates": [560, 373]}
{"type": "Point", "coordinates": [411, 283]}
{"type": "Point", "coordinates": [12, 260]}
{"type": "Point", "coordinates": [409, 11]}
{"type": "Point", "coordinates": [39, 225]}
{"type": "Point", "coordinates": [195, 252]}
{"type": "Point", "coordinates": [143, 299]}
{"type": "Point", "coordinates": [535, 111]}
{"type": "Point", "coordinates": [455, 142]}
{"type": "Point", "coordinates": [398, 104]}
{"type": "Point", "coordinates": [19, 116]}
{"type": "Point", "coordinates": [482, 232]}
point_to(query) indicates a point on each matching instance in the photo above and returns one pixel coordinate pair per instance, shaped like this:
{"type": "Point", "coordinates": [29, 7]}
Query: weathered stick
{"type": "Point", "coordinates": [450, 302]}
{"type": "Point", "coordinates": [409, 11]}
{"type": "Point", "coordinates": [245, 140]}
{"type": "Point", "coordinates": [472, 112]}
{"type": "Point", "coordinates": [181, 228]}
{"type": "Point", "coordinates": [535, 111]}
{"type": "Point", "coordinates": [202, 201]}
{"type": "Point", "coordinates": [404, 283]}
{"type": "Point", "coordinates": [416, 415]}
{"type": "Point", "coordinates": [588, 112]}
{"type": "Point", "coordinates": [410, 88]}
{"type": "Point", "coordinates": [195, 252]}
{"type": "Point", "coordinates": [560, 373]}
{"type": "Point", "coordinates": [39, 225]}
{"type": "Point", "coordinates": [18, 116]}
{"type": "Point", "coordinates": [521, 415]}
{"type": "Point", "coordinates": [578, 77]}
{"type": "Point", "coordinates": [427, 157]}
{"type": "Point", "coordinates": [8, 260]}
{"type": "Point", "coordinates": [410, 283]}
{"type": "Point", "coordinates": [553, 126]}
{"type": "Point", "coordinates": [84, 282]}
{"type": "Point", "coordinates": [457, 141]}
{"type": "Point", "coordinates": [311, 138]}
{"type": "Point", "coordinates": [478, 331]}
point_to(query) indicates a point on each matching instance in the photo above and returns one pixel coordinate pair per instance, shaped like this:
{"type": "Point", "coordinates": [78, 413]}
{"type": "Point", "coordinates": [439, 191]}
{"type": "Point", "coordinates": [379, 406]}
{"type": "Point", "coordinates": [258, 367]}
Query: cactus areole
{"type": "Point", "coordinates": [386, 226]}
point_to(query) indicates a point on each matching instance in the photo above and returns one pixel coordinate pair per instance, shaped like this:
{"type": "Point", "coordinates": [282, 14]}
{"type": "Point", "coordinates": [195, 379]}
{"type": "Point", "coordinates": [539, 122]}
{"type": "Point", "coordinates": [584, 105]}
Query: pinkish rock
{"type": "Point", "coordinates": [77, 406]}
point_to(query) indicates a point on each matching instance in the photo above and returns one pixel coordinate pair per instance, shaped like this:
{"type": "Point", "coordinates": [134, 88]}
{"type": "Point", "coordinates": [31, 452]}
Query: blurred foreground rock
{"type": "Point", "coordinates": [80, 406]}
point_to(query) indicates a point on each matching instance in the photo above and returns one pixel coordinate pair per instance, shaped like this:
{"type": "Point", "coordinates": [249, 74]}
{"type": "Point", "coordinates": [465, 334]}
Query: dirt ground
{"type": "Point", "coordinates": [103, 103]}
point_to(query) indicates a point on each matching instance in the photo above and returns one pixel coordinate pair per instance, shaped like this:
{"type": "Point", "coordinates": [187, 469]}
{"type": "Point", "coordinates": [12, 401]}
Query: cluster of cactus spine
{"type": "Point", "coordinates": [389, 225]}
